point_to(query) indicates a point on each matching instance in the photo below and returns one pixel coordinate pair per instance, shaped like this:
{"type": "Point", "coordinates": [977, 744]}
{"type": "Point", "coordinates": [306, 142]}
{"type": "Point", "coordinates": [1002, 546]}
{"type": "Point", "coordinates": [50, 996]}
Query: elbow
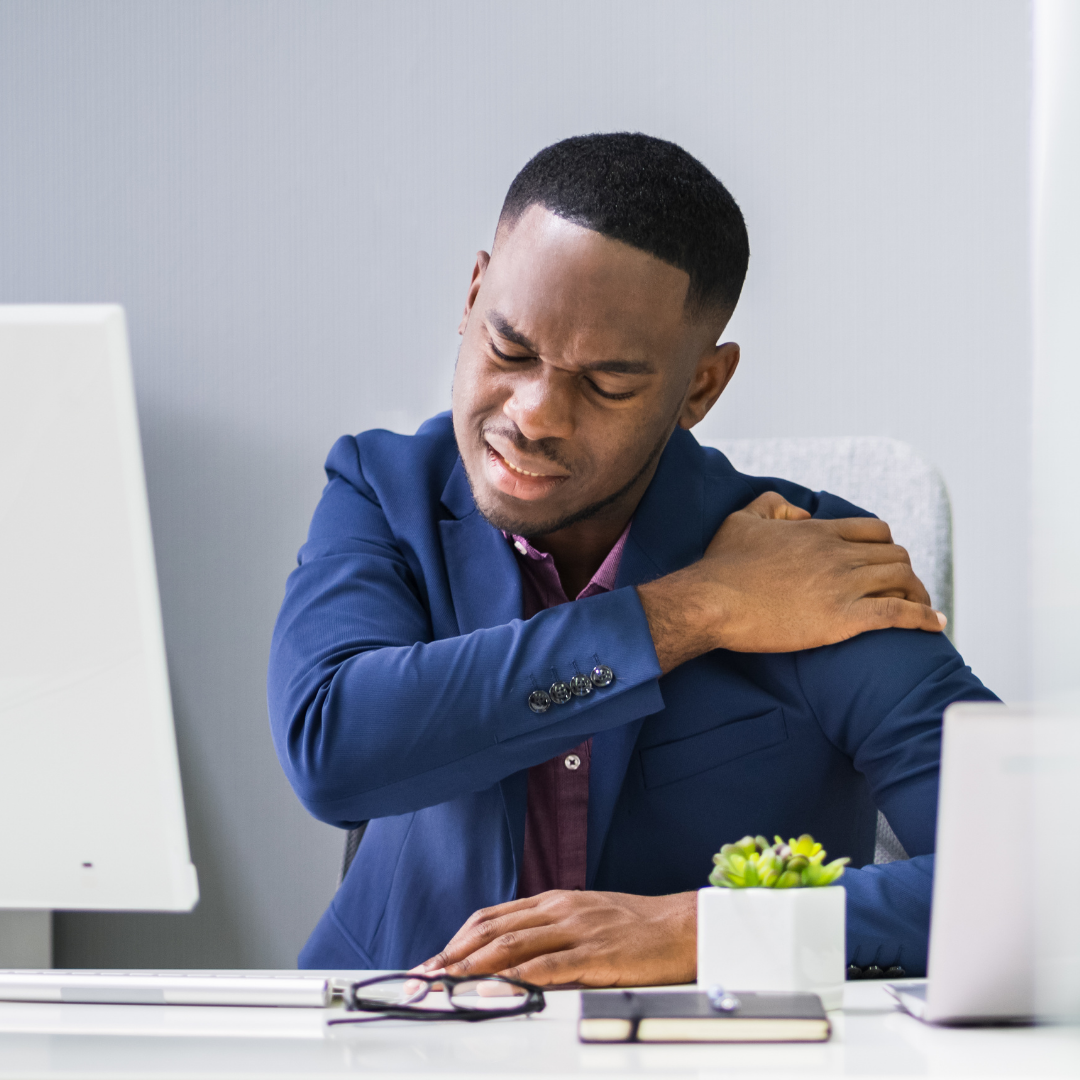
{"type": "Point", "coordinates": [326, 777]}
{"type": "Point", "coordinates": [300, 736]}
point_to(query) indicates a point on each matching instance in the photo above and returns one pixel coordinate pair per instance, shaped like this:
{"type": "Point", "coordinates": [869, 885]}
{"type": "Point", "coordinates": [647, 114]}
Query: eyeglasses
{"type": "Point", "coordinates": [405, 996]}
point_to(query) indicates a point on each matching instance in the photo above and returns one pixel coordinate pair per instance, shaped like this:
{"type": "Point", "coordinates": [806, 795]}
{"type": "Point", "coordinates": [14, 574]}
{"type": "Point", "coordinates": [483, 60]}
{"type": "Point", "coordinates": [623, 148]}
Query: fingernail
{"type": "Point", "coordinates": [942, 620]}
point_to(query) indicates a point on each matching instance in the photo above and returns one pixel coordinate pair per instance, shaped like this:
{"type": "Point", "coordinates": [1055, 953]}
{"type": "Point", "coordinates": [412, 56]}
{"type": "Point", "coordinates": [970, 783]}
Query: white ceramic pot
{"type": "Point", "coordinates": [773, 939]}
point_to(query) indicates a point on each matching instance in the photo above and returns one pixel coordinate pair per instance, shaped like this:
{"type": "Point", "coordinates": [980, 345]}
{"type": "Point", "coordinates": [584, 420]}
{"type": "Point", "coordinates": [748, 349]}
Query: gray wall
{"type": "Point", "coordinates": [287, 198]}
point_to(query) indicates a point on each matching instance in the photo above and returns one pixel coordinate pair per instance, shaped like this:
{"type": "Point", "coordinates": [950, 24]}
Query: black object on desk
{"type": "Point", "coordinates": [609, 1016]}
{"type": "Point", "coordinates": [405, 995]}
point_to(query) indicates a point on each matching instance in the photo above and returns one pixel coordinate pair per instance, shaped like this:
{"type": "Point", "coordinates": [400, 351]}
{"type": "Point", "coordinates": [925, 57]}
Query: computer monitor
{"type": "Point", "coordinates": [91, 810]}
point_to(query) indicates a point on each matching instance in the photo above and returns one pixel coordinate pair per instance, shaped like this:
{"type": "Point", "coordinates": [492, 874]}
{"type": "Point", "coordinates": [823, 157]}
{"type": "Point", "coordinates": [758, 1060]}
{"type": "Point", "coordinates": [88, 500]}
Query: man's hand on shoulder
{"type": "Point", "coordinates": [587, 938]}
{"type": "Point", "coordinates": [773, 579]}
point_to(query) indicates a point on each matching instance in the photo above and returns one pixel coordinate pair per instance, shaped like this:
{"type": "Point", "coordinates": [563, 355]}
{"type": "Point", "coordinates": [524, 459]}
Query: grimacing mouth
{"type": "Point", "coordinates": [487, 447]}
{"type": "Point", "coordinates": [523, 472]}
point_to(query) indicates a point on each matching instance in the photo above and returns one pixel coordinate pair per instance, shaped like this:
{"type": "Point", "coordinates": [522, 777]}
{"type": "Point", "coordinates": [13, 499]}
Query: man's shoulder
{"type": "Point", "coordinates": [726, 485]}
{"type": "Point", "coordinates": [384, 464]}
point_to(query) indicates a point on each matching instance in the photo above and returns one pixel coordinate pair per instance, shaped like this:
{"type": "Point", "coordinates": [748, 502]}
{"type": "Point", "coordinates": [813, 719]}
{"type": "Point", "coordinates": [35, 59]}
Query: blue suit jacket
{"type": "Point", "coordinates": [399, 676]}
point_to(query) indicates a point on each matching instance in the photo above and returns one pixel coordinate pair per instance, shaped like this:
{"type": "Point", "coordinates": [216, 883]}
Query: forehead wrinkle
{"type": "Point", "coordinates": [620, 367]}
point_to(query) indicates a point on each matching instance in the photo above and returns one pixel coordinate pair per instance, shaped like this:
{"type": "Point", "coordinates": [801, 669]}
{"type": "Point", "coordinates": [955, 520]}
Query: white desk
{"type": "Point", "coordinates": [871, 1038]}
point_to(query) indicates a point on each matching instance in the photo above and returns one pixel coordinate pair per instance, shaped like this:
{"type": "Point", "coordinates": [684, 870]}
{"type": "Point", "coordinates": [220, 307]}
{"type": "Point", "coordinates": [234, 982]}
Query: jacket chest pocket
{"type": "Point", "coordinates": [683, 758]}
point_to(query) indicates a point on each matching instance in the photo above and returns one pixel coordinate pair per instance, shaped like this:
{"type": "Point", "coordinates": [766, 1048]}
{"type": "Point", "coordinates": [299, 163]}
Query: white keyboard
{"type": "Point", "coordinates": [173, 988]}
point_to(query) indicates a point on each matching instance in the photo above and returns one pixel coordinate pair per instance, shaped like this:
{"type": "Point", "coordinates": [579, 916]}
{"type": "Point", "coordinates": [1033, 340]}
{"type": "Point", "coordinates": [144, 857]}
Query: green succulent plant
{"type": "Point", "coordinates": [754, 863]}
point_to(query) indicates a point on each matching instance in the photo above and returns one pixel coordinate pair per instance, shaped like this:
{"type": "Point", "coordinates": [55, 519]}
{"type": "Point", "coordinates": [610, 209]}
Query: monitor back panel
{"type": "Point", "coordinates": [91, 811]}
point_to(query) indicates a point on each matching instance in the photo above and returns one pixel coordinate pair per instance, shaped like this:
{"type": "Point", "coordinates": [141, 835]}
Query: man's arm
{"type": "Point", "coordinates": [879, 700]}
{"type": "Point", "coordinates": [775, 580]}
{"type": "Point", "coordinates": [371, 717]}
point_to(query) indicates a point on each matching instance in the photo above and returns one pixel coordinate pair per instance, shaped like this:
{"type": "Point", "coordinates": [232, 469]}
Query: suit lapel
{"type": "Point", "coordinates": [484, 581]}
{"type": "Point", "coordinates": [666, 536]}
{"type": "Point", "coordinates": [485, 586]}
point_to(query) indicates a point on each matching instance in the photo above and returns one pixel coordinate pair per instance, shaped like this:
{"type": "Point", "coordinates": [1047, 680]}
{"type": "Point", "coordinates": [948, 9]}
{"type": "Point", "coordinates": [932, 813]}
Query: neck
{"type": "Point", "coordinates": [581, 548]}
{"type": "Point", "coordinates": [580, 551]}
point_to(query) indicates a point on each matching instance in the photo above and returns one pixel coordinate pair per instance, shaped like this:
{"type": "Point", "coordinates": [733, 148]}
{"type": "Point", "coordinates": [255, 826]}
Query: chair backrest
{"type": "Point", "coordinates": [352, 845]}
{"type": "Point", "coordinates": [886, 477]}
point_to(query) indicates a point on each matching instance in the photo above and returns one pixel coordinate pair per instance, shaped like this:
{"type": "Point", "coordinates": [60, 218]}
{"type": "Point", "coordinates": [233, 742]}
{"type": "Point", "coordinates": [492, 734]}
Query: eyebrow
{"type": "Point", "coordinates": [503, 327]}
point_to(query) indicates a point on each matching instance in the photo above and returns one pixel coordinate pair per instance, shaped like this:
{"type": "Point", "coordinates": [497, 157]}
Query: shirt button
{"type": "Point", "coordinates": [521, 547]}
{"type": "Point", "coordinates": [572, 762]}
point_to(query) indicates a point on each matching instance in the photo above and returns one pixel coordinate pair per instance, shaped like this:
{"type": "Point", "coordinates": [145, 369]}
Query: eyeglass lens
{"type": "Point", "coordinates": [491, 994]}
{"type": "Point", "coordinates": [476, 994]}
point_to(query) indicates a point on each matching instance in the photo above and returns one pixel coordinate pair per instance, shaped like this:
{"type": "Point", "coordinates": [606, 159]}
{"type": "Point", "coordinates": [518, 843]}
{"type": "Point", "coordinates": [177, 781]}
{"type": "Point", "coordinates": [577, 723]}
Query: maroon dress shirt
{"type": "Point", "coordinates": [556, 815]}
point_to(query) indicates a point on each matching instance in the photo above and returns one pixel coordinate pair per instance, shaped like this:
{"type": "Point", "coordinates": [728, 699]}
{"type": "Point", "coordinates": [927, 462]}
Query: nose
{"type": "Point", "coordinates": [541, 404]}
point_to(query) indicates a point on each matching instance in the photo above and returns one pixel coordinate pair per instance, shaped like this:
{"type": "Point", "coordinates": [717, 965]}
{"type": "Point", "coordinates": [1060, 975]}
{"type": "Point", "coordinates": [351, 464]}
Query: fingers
{"type": "Point", "coordinates": [569, 966]}
{"type": "Point", "coordinates": [513, 948]}
{"type": "Point", "coordinates": [773, 505]}
{"type": "Point", "coordinates": [869, 553]}
{"type": "Point", "coordinates": [882, 612]}
{"type": "Point", "coordinates": [883, 580]}
{"type": "Point", "coordinates": [484, 926]}
{"type": "Point", "coordinates": [863, 530]}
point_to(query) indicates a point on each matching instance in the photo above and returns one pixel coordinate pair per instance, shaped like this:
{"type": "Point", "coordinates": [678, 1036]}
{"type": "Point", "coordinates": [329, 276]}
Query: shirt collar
{"type": "Point", "coordinates": [604, 578]}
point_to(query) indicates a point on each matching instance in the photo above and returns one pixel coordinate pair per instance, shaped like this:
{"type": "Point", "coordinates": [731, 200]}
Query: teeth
{"type": "Point", "coordinates": [524, 472]}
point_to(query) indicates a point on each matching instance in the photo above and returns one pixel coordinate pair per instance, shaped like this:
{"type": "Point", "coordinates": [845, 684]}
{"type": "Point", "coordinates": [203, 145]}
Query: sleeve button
{"type": "Point", "coordinates": [581, 685]}
{"type": "Point", "coordinates": [602, 675]}
{"type": "Point", "coordinates": [539, 701]}
{"type": "Point", "coordinates": [560, 692]}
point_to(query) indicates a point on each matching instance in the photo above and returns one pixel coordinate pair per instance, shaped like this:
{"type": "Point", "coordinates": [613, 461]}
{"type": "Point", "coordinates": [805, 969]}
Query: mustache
{"type": "Point", "coordinates": [545, 448]}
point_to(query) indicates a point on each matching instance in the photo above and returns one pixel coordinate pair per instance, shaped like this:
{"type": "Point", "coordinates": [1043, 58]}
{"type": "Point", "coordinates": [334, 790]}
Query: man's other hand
{"type": "Point", "coordinates": [773, 579]}
{"type": "Point", "coordinates": [587, 938]}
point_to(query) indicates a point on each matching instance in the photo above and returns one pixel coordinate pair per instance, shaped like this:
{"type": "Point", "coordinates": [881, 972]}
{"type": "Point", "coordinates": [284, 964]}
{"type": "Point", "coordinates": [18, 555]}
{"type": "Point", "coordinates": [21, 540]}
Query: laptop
{"type": "Point", "coordinates": [1003, 944]}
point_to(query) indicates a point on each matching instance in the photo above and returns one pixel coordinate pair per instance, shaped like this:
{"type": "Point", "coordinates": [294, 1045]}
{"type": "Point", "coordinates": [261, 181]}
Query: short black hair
{"type": "Point", "coordinates": [650, 194]}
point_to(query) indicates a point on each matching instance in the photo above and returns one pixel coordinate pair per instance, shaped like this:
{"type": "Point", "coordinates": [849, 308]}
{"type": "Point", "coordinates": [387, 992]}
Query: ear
{"type": "Point", "coordinates": [482, 260]}
{"type": "Point", "coordinates": [713, 373]}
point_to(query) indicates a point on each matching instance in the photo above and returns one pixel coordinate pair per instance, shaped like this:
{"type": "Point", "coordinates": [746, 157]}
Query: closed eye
{"type": "Point", "coordinates": [503, 356]}
{"type": "Point", "coordinates": [510, 359]}
{"type": "Point", "coordinates": [610, 397]}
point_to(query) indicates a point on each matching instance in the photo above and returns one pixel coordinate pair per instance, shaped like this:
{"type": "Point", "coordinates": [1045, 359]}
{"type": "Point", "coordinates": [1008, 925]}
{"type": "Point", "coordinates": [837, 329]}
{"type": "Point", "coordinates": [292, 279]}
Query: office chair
{"type": "Point", "coordinates": [883, 475]}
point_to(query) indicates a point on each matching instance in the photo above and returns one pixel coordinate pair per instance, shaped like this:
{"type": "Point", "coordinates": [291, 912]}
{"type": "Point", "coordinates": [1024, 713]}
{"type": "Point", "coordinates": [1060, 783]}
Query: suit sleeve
{"type": "Point", "coordinates": [879, 698]}
{"type": "Point", "coordinates": [372, 717]}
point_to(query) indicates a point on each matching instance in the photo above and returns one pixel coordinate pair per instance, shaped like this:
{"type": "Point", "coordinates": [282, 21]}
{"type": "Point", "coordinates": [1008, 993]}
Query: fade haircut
{"type": "Point", "coordinates": [647, 193]}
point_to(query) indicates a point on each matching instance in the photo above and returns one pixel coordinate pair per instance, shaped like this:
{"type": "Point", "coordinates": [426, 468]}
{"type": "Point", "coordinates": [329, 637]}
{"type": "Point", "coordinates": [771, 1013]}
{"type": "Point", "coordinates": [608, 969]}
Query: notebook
{"type": "Point", "coordinates": [609, 1016]}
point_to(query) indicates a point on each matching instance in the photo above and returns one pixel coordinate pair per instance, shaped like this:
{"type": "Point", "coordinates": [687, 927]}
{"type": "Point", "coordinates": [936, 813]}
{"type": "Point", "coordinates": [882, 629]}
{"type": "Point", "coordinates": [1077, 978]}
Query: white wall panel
{"type": "Point", "coordinates": [1056, 442]}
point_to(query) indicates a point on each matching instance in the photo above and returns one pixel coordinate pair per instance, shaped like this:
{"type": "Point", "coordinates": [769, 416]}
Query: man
{"type": "Point", "coordinates": [557, 653]}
